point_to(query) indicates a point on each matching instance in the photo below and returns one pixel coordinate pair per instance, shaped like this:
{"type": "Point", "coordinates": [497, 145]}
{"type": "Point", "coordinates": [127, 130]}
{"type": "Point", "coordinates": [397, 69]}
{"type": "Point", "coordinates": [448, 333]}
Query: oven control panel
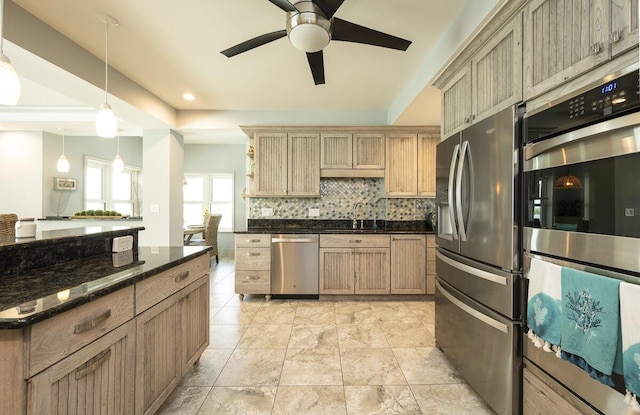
{"type": "Point", "coordinates": [615, 97]}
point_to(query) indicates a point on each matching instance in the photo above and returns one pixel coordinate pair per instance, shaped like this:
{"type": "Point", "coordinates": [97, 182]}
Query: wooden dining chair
{"type": "Point", "coordinates": [210, 234]}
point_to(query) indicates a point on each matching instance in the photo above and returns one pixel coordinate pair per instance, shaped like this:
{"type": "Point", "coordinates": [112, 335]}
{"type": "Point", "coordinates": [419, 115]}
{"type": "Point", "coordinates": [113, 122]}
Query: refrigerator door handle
{"type": "Point", "coordinates": [471, 270]}
{"type": "Point", "coordinates": [452, 172]}
{"type": "Point", "coordinates": [473, 312]}
{"type": "Point", "coordinates": [463, 154]}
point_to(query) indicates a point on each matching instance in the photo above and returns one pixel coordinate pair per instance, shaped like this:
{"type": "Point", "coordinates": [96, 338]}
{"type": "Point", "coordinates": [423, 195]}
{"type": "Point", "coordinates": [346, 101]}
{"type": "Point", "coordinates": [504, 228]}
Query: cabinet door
{"type": "Point", "coordinates": [97, 379]}
{"type": "Point", "coordinates": [368, 151]}
{"type": "Point", "coordinates": [335, 151]}
{"type": "Point", "coordinates": [158, 368]}
{"type": "Point", "coordinates": [271, 164]}
{"type": "Point", "coordinates": [372, 271]}
{"type": "Point", "coordinates": [456, 102]}
{"type": "Point", "coordinates": [194, 312]}
{"type": "Point", "coordinates": [563, 40]}
{"type": "Point", "coordinates": [497, 71]}
{"type": "Point", "coordinates": [304, 165]}
{"type": "Point", "coordinates": [624, 26]}
{"type": "Point", "coordinates": [336, 271]}
{"type": "Point", "coordinates": [401, 173]}
{"type": "Point", "coordinates": [408, 263]}
{"type": "Point", "coordinates": [427, 164]}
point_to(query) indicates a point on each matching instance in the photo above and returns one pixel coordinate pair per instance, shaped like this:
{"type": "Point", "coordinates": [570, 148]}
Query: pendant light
{"type": "Point", "coordinates": [9, 81]}
{"type": "Point", "coordinates": [568, 182]}
{"type": "Point", "coordinates": [118, 163]}
{"type": "Point", "coordinates": [106, 122]}
{"type": "Point", "coordinates": [63, 163]}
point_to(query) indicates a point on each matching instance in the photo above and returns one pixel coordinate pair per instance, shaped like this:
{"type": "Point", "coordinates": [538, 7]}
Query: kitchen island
{"type": "Point", "coordinates": [82, 328]}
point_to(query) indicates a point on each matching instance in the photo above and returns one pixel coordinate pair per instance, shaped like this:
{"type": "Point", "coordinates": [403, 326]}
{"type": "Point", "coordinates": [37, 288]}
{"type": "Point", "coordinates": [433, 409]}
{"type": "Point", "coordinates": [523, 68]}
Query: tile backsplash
{"type": "Point", "coordinates": [338, 197]}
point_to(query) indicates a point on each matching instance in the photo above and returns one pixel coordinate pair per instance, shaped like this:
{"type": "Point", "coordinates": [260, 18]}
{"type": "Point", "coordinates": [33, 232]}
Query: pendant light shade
{"type": "Point", "coordinates": [568, 182]}
{"type": "Point", "coordinates": [118, 163]}
{"type": "Point", "coordinates": [9, 81]}
{"type": "Point", "coordinates": [63, 163]}
{"type": "Point", "coordinates": [106, 122]}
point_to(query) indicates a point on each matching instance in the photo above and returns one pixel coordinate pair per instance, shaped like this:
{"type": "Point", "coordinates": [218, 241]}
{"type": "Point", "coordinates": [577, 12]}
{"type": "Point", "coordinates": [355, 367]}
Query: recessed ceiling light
{"type": "Point", "coordinates": [188, 96]}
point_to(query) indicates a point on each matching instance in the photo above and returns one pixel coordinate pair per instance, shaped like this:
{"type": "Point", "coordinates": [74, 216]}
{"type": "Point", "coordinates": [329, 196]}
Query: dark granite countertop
{"type": "Point", "coordinates": [309, 226]}
{"type": "Point", "coordinates": [55, 236]}
{"type": "Point", "coordinates": [39, 294]}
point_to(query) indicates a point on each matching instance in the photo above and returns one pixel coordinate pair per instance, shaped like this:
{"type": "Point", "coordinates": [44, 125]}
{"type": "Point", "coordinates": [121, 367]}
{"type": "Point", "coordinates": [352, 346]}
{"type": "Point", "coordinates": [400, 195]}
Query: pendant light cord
{"type": "Point", "coordinates": [63, 143]}
{"type": "Point", "coordinates": [106, 62]}
{"type": "Point", "coordinates": [1, 27]}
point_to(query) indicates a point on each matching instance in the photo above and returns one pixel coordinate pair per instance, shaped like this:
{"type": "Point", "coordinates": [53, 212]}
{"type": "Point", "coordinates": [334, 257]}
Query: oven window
{"type": "Point", "coordinates": [600, 196]}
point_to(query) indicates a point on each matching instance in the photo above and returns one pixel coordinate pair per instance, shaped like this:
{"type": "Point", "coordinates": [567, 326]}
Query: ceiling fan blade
{"type": "Point", "coordinates": [316, 63]}
{"type": "Point", "coordinates": [329, 7]}
{"type": "Point", "coordinates": [254, 43]}
{"type": "Point", "coordinates": [284, 5]}
{"type": "Point", "coordinates": [351, 32]}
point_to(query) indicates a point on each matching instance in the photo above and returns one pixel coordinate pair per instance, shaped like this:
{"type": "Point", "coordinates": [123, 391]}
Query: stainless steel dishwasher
{"type": "Point", "coordinates": [294, 265]}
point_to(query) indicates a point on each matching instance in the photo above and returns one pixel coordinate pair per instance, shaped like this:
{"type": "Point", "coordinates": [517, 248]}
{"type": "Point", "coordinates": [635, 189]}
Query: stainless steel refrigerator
{"type": "Point", "coordinates": [479, 298]}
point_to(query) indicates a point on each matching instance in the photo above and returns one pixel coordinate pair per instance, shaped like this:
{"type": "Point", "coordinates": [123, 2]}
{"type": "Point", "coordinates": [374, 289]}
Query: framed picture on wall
{"type": "Point", "coordinates": [64, 183]}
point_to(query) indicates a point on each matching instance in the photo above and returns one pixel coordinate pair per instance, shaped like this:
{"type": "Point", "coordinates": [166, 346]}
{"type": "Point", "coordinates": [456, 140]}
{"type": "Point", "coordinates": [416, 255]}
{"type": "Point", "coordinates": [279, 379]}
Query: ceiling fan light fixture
{"type": "Point", "coordinates": [308, 31]}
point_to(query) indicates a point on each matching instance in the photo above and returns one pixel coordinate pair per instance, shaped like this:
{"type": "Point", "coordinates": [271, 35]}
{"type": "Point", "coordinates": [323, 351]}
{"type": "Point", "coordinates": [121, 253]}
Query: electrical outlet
{"type": "Point", "coordinates": [266, 212]}
{"type": "Point", "coordinates": [314, 212]}
{"type": "Point", "coordinates": [629, 211]}
{"type": "Point", "coordinates": [155, 208]}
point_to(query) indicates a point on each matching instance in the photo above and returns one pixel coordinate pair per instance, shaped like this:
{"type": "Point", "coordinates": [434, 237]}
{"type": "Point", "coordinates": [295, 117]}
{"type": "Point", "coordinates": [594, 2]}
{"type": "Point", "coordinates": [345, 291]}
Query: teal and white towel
{"type": "Point", "coordinates": [630, 322]}
{"type": "Point", "coordinates": [590, 322]}
{"type": "Point", "coordinates": [544, 305]}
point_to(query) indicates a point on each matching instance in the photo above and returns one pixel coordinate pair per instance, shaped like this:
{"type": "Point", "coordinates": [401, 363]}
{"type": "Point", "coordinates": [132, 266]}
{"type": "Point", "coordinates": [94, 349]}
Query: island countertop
{"type": "Point", "coordinates": [42, 293]}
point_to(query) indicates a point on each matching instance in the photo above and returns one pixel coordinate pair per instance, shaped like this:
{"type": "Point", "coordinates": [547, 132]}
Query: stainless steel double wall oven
{"type": "Point", "coordinates": [581, 199]}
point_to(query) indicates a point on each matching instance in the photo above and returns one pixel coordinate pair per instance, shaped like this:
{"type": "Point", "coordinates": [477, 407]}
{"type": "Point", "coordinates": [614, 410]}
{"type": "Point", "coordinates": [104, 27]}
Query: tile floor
{"type": "Point", "coordinates": [284, 357]}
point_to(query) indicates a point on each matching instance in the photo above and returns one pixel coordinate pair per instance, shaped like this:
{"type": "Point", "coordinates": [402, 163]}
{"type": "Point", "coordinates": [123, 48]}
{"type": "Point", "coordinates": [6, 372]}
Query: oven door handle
{"type": "Point", "coordinates": [473, 312]}
{"type": "Point", "coordinates": [461, 224]}
{"type": "Point", "coordinates": [450, 200]}
{"type": "Point", "coordinates": [471, 270]}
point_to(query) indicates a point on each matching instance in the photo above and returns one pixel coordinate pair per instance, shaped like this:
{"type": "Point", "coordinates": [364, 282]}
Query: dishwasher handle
{"type": "Point", "coordinates": [296, 240]}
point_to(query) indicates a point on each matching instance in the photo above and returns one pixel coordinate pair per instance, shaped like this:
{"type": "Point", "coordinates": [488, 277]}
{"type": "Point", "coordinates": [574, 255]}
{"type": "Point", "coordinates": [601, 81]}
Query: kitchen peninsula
{"type": "Point", "coordinates": [82, 328]}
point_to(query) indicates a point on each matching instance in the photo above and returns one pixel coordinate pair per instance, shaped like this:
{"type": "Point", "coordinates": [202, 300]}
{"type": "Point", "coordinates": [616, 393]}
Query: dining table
{"type": "Point", "coordinates": [189, 231]}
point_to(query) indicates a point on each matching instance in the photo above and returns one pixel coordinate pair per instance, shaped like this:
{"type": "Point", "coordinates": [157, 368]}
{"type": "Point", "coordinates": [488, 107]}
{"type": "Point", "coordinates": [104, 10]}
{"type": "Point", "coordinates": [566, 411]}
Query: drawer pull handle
{"type": "Point", "coordinates": [355, 241]}
{"type": "Point", "coordinates": [253, 277]}
{"type": "Point", "coordinates": [253, 253]}
{"type": "Point", "coordinates": [88, 325]}
{"type": "Point", "coordinates": [181, 277]}
{"type": "Point", "coordinates": [253, 240]}
{"type": "Point", "coordinates": [407, 239]}
{"type": "Point", "coordinates": [93, 364]}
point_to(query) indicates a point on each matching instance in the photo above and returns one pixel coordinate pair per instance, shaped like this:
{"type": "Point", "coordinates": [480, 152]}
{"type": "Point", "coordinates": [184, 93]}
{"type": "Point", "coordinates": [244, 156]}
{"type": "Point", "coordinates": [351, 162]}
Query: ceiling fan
{"type": "Point", "coordinates": [311, 25]}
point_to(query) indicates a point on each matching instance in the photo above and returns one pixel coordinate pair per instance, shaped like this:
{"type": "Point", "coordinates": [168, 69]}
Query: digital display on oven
{"type": "Point", "coordinates": [610, 87]}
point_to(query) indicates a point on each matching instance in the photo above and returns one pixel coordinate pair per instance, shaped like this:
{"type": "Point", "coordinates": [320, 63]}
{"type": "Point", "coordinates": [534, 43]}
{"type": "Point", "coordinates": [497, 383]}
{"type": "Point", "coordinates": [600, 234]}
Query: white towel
{"type": "Point", "coordinates": [630, 326]}
{"type": "Point", "coordinates": [544, 305]}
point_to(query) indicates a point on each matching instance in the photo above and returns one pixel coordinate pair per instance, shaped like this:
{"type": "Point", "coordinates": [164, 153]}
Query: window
{"type": "Point", "coordinates": [106, 189]}
{"type": "Point", "coordinates": [212, 192]}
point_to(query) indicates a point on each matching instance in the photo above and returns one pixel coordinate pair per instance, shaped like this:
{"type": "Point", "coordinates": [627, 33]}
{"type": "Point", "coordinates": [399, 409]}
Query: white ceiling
{"type": "Point", "coordinates": [169, 48]}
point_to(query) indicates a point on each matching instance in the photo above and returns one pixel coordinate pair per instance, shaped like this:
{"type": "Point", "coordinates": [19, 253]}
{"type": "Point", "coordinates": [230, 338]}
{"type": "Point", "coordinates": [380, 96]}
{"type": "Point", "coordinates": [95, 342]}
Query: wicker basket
{"type": "Point", "coordinates": [8, 224]}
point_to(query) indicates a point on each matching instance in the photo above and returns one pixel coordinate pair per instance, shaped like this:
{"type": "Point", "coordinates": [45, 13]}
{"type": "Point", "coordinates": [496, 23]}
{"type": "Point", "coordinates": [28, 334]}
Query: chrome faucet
{"type": "Point", "coordinates": [355, 211]}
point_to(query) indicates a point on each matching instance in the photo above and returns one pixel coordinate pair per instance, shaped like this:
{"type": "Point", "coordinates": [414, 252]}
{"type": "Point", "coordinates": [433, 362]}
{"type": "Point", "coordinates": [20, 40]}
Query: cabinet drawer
{"type": "Point", "coordinates": [253, 282]}
{"type": "Point", "coordinates": [253, 258]}
{"type": "Point", "coordinates": [155, 289]}
{"type": "Point", "coordinates": [58, 337]}
{"type": "Point", "coordinates": [253, 240]}
{"type": "Point", "coordinates": [354, 241]}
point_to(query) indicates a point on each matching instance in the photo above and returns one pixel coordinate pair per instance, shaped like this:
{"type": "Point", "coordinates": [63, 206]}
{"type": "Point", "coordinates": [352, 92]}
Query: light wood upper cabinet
{"type": "Point", "coordinates": [303, 173]}
{"type": "Point", "coordinates": [624, 25]}
{"type": "Point", "coordinates": [408, 264]}
{"type": "Point", "coordinates": [562, 41]}
{"type": "Point", "coordinates": [271, 164]}
{"type": "Point", "coordinates": [427, 164]}
{"type": "Point", "coordinates": [488, 83]}
{"type": "Point", "coordinates": [401, 173]}
{"type": "Point", "coordinates": [287, 164]}
{"type": "Point", "coordinates": [411, 162]}
{"type": "Point", "coordinates": [345, 154]}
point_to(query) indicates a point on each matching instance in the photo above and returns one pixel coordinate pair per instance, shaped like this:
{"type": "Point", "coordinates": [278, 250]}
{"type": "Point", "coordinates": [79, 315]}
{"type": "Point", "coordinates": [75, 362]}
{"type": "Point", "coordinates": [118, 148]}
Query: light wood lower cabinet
{"type": "Point", "coordinates": [354, 264]}
{"type": "Point", "coordinates": [431, 264]}
{"type": "Point", "coordinates": [170, 336]}
{"type": "Point", "coordinates": [540, 399]}
{"type": "Point", "coordinates": [253, 264]}
{"type": "Point", "coordinates": [408, 264]}
{"type": "Point", "coordinates": [98, 379]}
